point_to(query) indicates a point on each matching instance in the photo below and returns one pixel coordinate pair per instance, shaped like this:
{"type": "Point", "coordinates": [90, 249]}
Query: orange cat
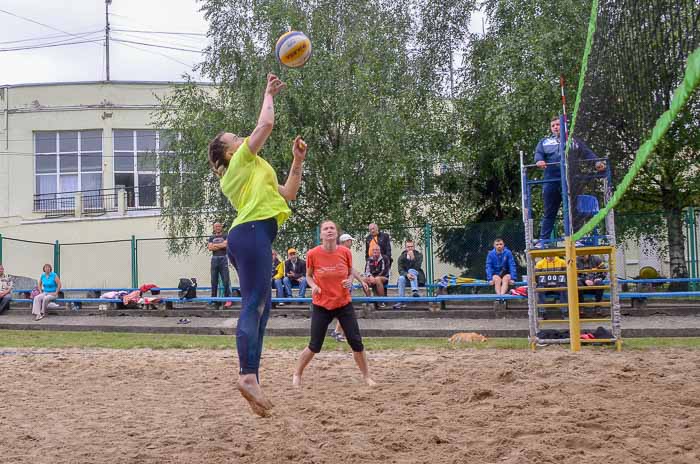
{"type": "Point", "coordinates": [467, 337]}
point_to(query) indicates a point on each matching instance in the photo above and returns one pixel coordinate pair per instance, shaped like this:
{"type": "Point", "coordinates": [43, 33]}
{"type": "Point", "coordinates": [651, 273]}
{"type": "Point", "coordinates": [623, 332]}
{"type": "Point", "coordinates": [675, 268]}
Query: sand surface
{"type": "Point", "coordinates": [465, 406]}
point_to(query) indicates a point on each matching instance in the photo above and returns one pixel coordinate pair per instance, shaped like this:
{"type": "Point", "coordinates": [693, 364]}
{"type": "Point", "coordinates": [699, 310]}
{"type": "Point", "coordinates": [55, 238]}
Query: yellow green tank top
{"type": "Point", "coordinates": [251, 186]}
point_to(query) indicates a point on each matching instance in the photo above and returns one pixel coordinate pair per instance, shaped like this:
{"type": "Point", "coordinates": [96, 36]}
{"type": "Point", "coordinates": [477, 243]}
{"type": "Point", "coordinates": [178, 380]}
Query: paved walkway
{"type": "Point", "coordinates": [654, 326]}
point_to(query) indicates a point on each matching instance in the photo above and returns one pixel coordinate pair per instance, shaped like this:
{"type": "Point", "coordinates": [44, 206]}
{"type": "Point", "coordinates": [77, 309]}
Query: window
{"type": "Point", "coordinates": [66, 162]}
{"type": "Point", "coordinates": [136, 154]}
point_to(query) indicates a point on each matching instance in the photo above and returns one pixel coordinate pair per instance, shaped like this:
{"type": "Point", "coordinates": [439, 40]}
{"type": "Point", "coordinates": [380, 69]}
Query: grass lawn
{"type": "Point", "coordinates": [55, 339]}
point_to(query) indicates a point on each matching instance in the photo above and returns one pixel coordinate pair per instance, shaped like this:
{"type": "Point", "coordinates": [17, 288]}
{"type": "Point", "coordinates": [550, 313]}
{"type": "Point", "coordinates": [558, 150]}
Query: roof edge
{"type": "Point", "coordinates": [111, 82]}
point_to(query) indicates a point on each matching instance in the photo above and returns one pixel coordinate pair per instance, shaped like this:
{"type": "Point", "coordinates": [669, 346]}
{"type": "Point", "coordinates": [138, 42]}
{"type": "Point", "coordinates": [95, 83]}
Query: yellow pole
{"type": "Point", "coordinates": [612, 276]}
{"type": "Point", "coordinates": [572, 291]}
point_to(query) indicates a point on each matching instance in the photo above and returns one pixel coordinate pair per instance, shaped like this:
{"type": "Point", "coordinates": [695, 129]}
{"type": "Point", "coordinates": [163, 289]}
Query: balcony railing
{"type": "Point", "coordinates": [98, 202]}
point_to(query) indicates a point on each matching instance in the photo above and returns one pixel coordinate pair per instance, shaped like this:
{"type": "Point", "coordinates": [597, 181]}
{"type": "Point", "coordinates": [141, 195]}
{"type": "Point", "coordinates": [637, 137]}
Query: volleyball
{"type": "Point", "coordinates": [293, 49]}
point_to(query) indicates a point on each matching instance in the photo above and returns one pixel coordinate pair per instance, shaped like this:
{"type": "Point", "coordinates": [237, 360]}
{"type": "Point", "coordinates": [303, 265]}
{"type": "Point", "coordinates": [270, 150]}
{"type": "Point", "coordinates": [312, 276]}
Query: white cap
{"type": "Point", "coordinates": [345, 237]}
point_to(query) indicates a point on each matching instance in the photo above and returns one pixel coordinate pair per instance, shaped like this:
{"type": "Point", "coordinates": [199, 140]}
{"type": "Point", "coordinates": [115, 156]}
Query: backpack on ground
{"type": "Point", "coordinates": [187, 288]}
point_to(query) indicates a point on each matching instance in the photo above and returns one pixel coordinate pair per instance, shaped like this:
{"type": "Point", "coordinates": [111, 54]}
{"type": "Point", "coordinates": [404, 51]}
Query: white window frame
{"type": "Point", "coordinates": [136, 172]}
{"type": "Point", "coordinates": [78, 171]}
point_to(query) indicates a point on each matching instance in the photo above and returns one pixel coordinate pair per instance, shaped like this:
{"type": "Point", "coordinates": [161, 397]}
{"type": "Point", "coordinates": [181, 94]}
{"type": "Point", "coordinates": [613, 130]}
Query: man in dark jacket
{"type": "Point", "coordinates": [375, 238]}
{"type": "Point", "coordinates": [548, 157]}
{"type": "Point", "coordinates": [377, 272]}
{"type": "Point", "coordinates": [500, 267]}
{"type": "Point", "coordinates": [410, 269]}
{"type": "Point", "coordinates": [294, 273]}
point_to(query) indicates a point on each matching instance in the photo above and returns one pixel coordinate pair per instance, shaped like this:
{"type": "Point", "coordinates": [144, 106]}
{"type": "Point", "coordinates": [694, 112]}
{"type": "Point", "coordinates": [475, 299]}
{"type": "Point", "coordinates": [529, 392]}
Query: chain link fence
{"type": "Point", "coordinates": [447, 249]}
{"type": "Point", "coordinates": [24, 259]}
{"type": "Point", "coordinates": [102, 264]}
{"type": "Point", "coordinates": [156, 264]}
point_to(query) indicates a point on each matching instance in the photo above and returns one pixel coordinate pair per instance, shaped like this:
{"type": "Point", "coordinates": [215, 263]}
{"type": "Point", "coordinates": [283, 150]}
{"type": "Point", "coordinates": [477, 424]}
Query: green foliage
{"type": "Point", "coordinates": [370, 104]}
{"type": "Point", "coordinates": [619, 108]}
{"type": "Point", "coordinates": [509, 91]}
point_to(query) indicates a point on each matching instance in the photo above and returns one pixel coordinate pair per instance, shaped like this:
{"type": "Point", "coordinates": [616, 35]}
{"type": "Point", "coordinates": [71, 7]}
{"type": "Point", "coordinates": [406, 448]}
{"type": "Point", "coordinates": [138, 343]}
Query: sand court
{"type": "Point", "coordinates": [447, 406]}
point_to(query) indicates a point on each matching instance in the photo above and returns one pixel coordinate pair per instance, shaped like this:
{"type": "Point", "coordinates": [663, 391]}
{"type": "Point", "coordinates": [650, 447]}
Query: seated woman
{"type": "Point", "coordinates": [49, 286]}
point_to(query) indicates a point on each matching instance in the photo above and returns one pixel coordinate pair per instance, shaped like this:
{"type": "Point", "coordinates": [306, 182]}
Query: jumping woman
{"type": "Point", "coordinates": [250, 184]}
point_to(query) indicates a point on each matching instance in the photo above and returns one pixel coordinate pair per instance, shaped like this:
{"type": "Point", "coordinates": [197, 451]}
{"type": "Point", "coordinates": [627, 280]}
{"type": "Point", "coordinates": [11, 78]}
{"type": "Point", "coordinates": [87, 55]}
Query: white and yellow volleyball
{"type": "Point", "coordinates": [293, 49]}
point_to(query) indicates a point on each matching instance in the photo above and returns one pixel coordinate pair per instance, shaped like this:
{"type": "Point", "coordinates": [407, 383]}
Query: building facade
{"type": "Point", "coordinates": [79, 163]}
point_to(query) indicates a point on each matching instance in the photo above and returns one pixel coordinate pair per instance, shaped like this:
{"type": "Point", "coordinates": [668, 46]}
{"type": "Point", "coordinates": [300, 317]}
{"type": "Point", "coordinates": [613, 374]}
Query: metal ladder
{"type": "Point", "coordinates": [574, 321]}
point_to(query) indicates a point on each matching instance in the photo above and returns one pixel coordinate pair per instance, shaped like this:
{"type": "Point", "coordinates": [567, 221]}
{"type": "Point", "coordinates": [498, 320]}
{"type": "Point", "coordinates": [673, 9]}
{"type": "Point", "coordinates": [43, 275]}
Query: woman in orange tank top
{"type": "Point", "coordinates": [329, 275]}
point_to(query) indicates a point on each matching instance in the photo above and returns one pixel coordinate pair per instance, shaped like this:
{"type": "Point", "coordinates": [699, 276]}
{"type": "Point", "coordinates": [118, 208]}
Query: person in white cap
{"type": "Point", "coordinates": [346, 241]}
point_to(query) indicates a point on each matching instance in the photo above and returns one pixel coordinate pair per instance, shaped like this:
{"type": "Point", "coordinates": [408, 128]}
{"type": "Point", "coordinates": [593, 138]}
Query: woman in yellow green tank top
{"type": "Point", "coordinates": [250, 184]}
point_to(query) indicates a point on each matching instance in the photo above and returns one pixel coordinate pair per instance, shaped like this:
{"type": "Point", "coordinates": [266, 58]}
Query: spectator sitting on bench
{"type": "Point", "coordinates": [554, 264]}
{"type": "Point", "coordinates": [6, 284]}
{"type": "Point", "coordinates": [277, 276]}
{"type": "Point", "coordinates": [49, 286]}
{"type": "Point", "coordinates": [410, 263]}
{"type": "Point", "coordinates": [590, 279]}
{"type": "Point", "coordinates": [500, 267]}
{"type": "Point", "coordinates": [377, 273]}
{"type": "Point", "coordinates": [295, 273]}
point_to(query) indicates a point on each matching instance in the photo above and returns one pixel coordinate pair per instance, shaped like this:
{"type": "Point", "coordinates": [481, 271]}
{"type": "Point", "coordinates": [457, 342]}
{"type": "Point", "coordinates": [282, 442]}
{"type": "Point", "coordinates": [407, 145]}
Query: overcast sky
{"type": "Point", "coordinates": [86, 19]}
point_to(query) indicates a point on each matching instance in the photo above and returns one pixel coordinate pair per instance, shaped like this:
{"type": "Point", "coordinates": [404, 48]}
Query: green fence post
{"type": "Point", "coordinates": [0, 248]}
{"type": "Point", "coordinates": [134, 262]}
{"type": "Point", "coordinates": [692, 245]}
{"type": "Point", "coordinates": [317, 235]}
{"type": "Point", "coordinates": [428, 232]}
{"type": "Point", "coordinates": [57, 258]}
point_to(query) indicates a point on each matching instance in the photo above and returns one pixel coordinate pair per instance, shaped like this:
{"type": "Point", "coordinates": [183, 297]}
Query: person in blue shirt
{"type": "Point", "coordinates": [500, 267]}
{"type": "Point", "coordinates": [49, 286]}
{"type": "Point", "coordinates": [546, 154]}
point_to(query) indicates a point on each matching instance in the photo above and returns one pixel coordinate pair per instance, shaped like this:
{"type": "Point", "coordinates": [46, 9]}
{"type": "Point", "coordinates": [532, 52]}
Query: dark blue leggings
{"type": "Point", "coordinates": [250, 251]}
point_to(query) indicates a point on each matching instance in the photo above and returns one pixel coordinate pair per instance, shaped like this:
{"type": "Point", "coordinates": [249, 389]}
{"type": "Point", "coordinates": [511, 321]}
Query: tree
{"type": "Point", "coordinates": [370, 103]}
{"type": "Point", "coordinates": [619, 108]}
{"type": "Point", "coordinates": [508, 91]}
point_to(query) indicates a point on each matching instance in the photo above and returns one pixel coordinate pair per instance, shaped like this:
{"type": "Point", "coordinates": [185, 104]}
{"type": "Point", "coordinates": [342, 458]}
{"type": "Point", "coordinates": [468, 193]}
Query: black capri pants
{"type": "Point", "coordinates": [321, 319]}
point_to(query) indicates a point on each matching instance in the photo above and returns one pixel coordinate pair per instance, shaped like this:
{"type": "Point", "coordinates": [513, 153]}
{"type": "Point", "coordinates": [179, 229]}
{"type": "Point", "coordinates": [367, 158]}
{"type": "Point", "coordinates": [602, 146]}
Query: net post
{"type": "Point", "coordinates": [692, 245]}
{"type": "Point", "coordinates": [566, 206]}
{"type": "Point", "coordinates": [134, 262]}
{"type": "Point", "coordinates": [572, 293]}
{"type": "Point", "coordinates": [428, 233]}
{"type": "Point", "coordinates": [57, 258]}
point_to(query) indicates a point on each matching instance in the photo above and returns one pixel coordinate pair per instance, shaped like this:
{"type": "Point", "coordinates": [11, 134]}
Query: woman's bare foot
{"type": "Point", "coordinates": [258, 410]}
{"type": "Point", "coordinates": [296, 381]}
{"type": "Point", "coordinates": [370, 382]}
{"type": "Point", "coordinates": [251, 391]}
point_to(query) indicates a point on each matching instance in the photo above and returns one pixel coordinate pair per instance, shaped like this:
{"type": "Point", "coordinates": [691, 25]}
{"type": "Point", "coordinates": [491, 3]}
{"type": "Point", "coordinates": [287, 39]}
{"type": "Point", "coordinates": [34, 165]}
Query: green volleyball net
{"type": "Point", "coordinates": [636, 100]}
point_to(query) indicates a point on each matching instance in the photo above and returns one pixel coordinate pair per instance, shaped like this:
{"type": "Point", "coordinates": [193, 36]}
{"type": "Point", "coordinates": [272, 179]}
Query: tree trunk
{"type": "Point", "coordinates": [676, 248]}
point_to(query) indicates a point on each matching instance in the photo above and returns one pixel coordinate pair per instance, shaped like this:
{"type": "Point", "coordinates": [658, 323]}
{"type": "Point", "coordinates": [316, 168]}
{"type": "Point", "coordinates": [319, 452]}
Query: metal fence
{"type": "Point", "coordinates": [458, 250]}
{"type": "Point", "coordinates": [96, 264]}
{"type": "Point", "coordinates": [156, 264]}
{"type": "Point", "coordinates": [26, 258]}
